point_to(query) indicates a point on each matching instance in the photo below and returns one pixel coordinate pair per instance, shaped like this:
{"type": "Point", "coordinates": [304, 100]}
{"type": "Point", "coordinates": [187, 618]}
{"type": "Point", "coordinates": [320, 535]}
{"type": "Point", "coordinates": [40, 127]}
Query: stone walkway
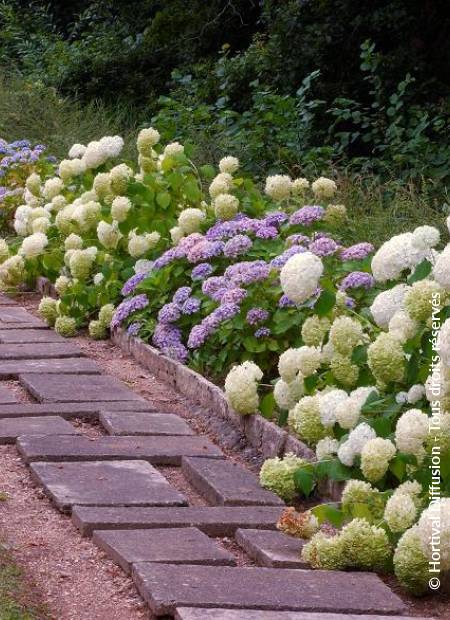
{"type": "Point", "coordinates": [115, 493]}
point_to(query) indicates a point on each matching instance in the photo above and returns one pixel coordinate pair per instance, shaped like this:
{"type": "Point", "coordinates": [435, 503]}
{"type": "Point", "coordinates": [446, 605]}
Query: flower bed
{"type": "Point", "coordinates": [347, 346]}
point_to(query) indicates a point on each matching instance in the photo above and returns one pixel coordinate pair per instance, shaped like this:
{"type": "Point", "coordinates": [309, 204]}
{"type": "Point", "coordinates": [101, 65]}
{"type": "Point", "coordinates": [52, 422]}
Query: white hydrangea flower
{"type": "Point", "coordinates": [147, 138]}
{"type": "Point", "coordinates": [411, 431]}
{"type": "Point", "coordinates": [33, 184]}
{"type": "Point", "coordinates": [77, 150]}
{"type": "Point", "coordinates": [113, 145]}
{"type": "Point", "coordinates": [143, 266]}
{"type": "Point", "coordinates": [225, 206]}
{"type": "Point", "coordinates": [241, 387]}
{"type": "Point", "coordinates": [287, 394]}
{"type": "Point", "coordinates": [98, 278]}
{"type": "Point", "coordinates": [61, 284]}
{"type": "Point", "coordinates": [324, 188]}
{"type": "Point", "coordinates": [346, 454]}
{"type": "Point", "coordinates": [401, 398]}
{"type": "Point", "coordinates": [58, 202]}
{"type": "Point", "coordinates": [120, 207]}
{"type": "Point", "coordinates": [402, 326]}
{"type": "Point", "coordinates": [21, 228]}
{"type": "Point", "coordinates": [441, 269]}
{"type": "Point", "coordinates": [31, 199]}
{"type": "Point", "coordinates": [190, 220]}
{"type": "Point", "coordinates": [73, 242]}
{"type": "Point", "coordinates": [288, 365]}
{"type": "Point", "coordinates": [109, 235]}
{"type": "Point", "coordinates": [138, 245]}
{"type": "Point", "coordinates": [400, 512]}
{"type": "Point", "coordinates": [176, 234]}
{"type": "Point", "coordinates": [326, 448]}
{"type": "Point", "coordinates": [425, 237]}
{"type": "Point", "coordinates": [328, 403]}
{"type": "Point", "coordinates": [120, 176]}
{"type": "Point", "coordinates": [174, 148]}
{"type": "Point", "coordinates": [299, 186]}
{"type": "Point", "coordinates": [70, 168]}
{"type": "Point", "coordinates": [300, 276]}
{"type": "Point", "coordinates": [444, 343]}
{"type": "Point", "coordinates": [229, 164]}
{"type": "Point", "coordinates": [375, 457]}
{"type": "Point", "coordinates": [387, 303]}
{"type": "Point", "coordinates": [34, 245]}
{"type": "Point", "coordinates": [221, 184]}
{"type": "Point", "coordinates": [52, 187]}
{"type": "Point", "coordinates": [437, 512]}
{"type": "Point", "coordinates": [40, 224]}
{"type": "Point", "coordinates": [415, 393]}
{"type": "Point", "coordinates": [95, 155]}
{"type": "Point", "coordinates": [359, 436]}
{"type": "Point", "coordinates": [394, 256]}
{"type": "Point", "coordinates": [278, 187]}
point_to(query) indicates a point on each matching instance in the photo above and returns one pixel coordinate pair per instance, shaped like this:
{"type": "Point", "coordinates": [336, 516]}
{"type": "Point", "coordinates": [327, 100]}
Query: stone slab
{"type": "Point", "coordinates": [186, 545]}
{"type": "Point", "coordinates": [5, 300]}
{"type": "Point", "coordinates": [76, 387]}
{"type": "Point", "coordinates": [89, 410]}
{"type": "Point", "coordinates": [271, 548]}
{"type": "Point", "coordinates": [26, 336]}
{"type": "Point", "coordinates": [227, 483]}
{"type": "Point", "coordinates": [11, 428]}
{"type": "Point", "coordinates": [34, 325]}
{"type": "Point", "coordinates": [155, 450]}
{"type": "Point", "coordinates": [18, 315]}
{"type": "Point", "coordinates": [192, 613]}
{"type": "Point", "coordinates": [105, 483]}
{"type": "Point", "coordinates": [7, 396]}
{"type": "Point", "coordinates": [212, 520]}
{"type": "Point", "coordinates": [143, 423]}
{"type": "Point", "coordinates": [72, 365]}
{"type": "Point", "coordinates": [39, 350]}
{"type": "Point", "coordinates": [166, 587]}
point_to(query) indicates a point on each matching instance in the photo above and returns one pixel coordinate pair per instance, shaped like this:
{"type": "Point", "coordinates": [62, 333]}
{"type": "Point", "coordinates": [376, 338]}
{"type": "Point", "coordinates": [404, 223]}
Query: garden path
{"type": "Point", "coordinates": [192, 527]}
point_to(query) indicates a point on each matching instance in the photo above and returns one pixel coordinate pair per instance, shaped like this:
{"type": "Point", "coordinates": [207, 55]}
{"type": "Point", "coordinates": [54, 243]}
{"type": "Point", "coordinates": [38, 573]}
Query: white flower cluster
{"type": "Point", "coordinates": [241, 387]}
{"type": "Point", "coordinates": [300, 276]}
{"type": "Point", "coordinates": [399, 253]}
{"type": "Point", "coordinates": [355, 443]}
{"type": "Point", "coordinates": [138, 245]}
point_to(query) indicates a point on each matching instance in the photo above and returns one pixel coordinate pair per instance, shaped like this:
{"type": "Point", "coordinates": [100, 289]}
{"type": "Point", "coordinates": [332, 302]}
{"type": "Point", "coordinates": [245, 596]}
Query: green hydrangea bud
{"type": "Point", "coordinates": [106, 314]}
{"type": "Point", "coordinates": [304, 420]}
{"type": "Point", "coordinates": [410, 562]}
{"type": "Point", "coordinates": [48, 310]}
{"type": "Point", "coordinates": [344, 370]}
{"type": "Point", "coordinates": [314, 330]}
{"type": "Point", "coordinates": [418, 299]}
{"type": "Point", "coordinates": [97, 330]}
{"type": "Point", "coordinates": [365, 546]}
{"type": "Point", "coordinates": [326, 552]}
{"type": "Point", "coordinates": [66, 326]}
{"type": "Point", "coordinates": [385, 358]}
{"type": "Point", "coordinates": [277, 475]}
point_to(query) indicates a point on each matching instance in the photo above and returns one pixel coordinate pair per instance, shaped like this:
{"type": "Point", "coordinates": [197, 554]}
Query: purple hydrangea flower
{"type": "Point", "coordinates": [133, 328]}
{"type": "Point", "coordinates": [191, 306]}
{"type": "Point", "coordinates": [166, 258]}
{"type": "Point", "coordinates": [298, 239]}
{"type": "Point", "coordinates": [285, 302]}
{"type": "Point", "coordinates": [176, 352]}
{"type": "Point", "coordinates": [275, 218]}
{"type": "Point", "coordinates": [198, 336]}
{"type": "Point", "coordinates": [187, 243]}
{"type": "Point", "coordinates": [233, 296]}
{"type": "Point", "coordinates": [267, 232]}
{"type": "Point", "coordinates": [214, 284]}
{"type": "Point", "coordinates": [350, 303]}
{"type": "Point", "coordinates": [127, 307]}
{"type": "Point", "coordinates": [307, 215]}
{"type": "Point", "coordinates": [236, 246]}
{"type": "Point", "coordinates": [169, 313]}
{"type": "Point", "coordinates": [247, 272]}
{"type": "Point", "coordinates": [357, 251]}
{"type": "Point", "coordinates": [262, 332]}
{"type": "Point", "coordinates": [279, 261]}
{"type": "Point", "coordinates": [256, 315]}
{"type": "Point", "coordinates": [181, 295]}
{"type": "Point", "coordinates": [323, 246]}
{"type": "Point", "coordinates": [357, 279]}
{"type": "Point", "coordinates": [165, 335]}
{"type": "Point", "coordinates": [131, 284]}
{"type": "Point", "coordinates": [204, 250]}
{"type": "Point", "coordinates": [201, 271]}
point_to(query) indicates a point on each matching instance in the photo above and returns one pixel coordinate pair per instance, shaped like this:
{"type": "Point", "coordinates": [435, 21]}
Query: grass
{"type": "Point", "coordinates": [18, 598]}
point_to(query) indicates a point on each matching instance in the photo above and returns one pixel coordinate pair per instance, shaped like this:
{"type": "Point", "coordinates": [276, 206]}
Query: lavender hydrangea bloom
{"type": "Point", "coordinates": [166, 258]}
{"type": "Point", "coordinates": [262, 332]}
{"type": "Point", "coordinates": [191, 306]}
{"type": "Point", "coordinates": [201, 332]}
{"type": "Point", "coordinates": [204, 250]}
{"type": "Point", "coordinates": [267, 232]}
{"type": "Point", "coordinates": [169, 313]}
{"type": "Point", "coordinates": [307, 215]}
{"type": "Point", "coordinates": [359, 251]}
{"type": "Point", "coordinates": [214, 284]}
{"type": "Point", "coordinates": [131, 284]}
{"type": "Point", "coordinates": [323, 246]}
{"type": "Point", "coordinates": [275, 218]}
{"type": "Point", "coordinates": [357, 279]}
{"type": "Point", "coordinates": [238, 225]}
{"type": "Point", "coordinates": [247, 272]}
{"type": "Point", "coordinates": [233, 296]}
{"type": "Point", "coordinates": [127, 307]}
{"type": "Point", "coordinates": [237, 245]}
{"type": "Point", "coordinates": [198, 336]}
{"type": "Point", "coordinates": [285, 302]}
{"type": "Point", "coordinates": [298, 239]}
{"type": "Point", "coordinates": [133, 328]}
{"type": "Point", "coordinates": [256, 315]}
{"type": "Point", "coordinates": [181, 295]}
{"type": "Point", "coordinates": [201, 271]}
{"type": "Point", "coordinates": [279, 261]}
{"type": "Point", "coordinates": [187, 243]}
{"type": "Point", "coordinates": [350, 303]}
{"type": "Point", "coordinates": [176, 352]}
{"type": "Point", "coordinates": [165, 335]}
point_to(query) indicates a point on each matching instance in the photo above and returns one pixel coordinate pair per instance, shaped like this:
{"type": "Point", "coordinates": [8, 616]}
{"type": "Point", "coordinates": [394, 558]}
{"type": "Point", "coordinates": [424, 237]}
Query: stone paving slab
{"type": "Point", "coordinates": [212, 520]}
{"type": "Point", "coordinates": [105, 483]}
{"type": "Point", "coordinates": [11, 428]}
{"type": "Point", "coordinates": [78, 365]}
{"type": "Point", "coordinates": [227, 483]}
{"type": "Point", "coordinates": [271, 548]}
{"type": "Point", "coordinates": [34, 325]}
{"type": "Point", "coordinates": [76, 388]}
{"type": "Point", "coordinates": [88, 410]}
{"type": "Point", "coordinates": [142, 423]}
{"type": "Point", "coordinates": [192, 613]}
{"type": "Point", "coordinates": [166, 587]}
{"type": "Point", "coordinates": [186, 545]}
{"type": "Point", "coordinates": [27, 336]}
{"type": "Point", "coordinates": [18, 315]}
{"type": "Point", "coordinates": [7, 396]}
{"type": "Point", "coordinates": [39, 350]}
{"type": "Point", "coordinates": [5, 300]}
{"type": "Point", "coordinates": [155, 450]}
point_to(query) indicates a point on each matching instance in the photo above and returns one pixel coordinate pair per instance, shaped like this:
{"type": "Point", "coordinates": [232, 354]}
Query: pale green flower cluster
{"type": "Point", "coordinates": [277, 475]}
{"type": "Point", "coordinates": [241, 387]}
